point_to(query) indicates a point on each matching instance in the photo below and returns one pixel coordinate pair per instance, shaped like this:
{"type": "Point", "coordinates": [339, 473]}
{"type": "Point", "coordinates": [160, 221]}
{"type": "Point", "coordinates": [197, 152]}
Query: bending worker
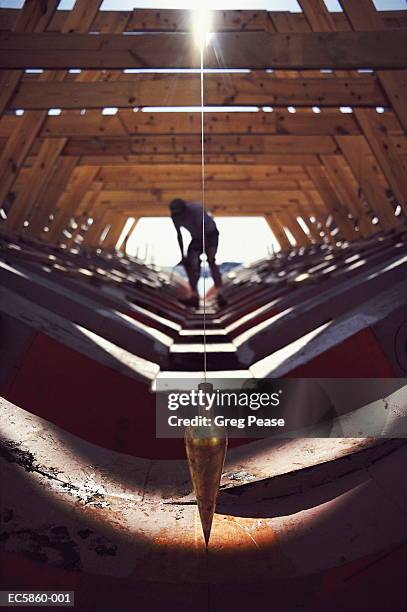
{"type": "Point", "coordinates": [193, 218]}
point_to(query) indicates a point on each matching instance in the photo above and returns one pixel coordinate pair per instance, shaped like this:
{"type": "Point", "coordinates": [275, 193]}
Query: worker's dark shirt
{"type": "Point", "coordinates": [191, 219]}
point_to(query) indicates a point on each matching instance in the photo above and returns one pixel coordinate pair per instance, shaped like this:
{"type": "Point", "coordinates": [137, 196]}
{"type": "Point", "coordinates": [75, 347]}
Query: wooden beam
{"type": "Point", "coordinates": [332, 202]}
{"type": "Point", "coordinates": [357, 153]}
{"type": "Point", "coordinates": [305, 216]}
{"type": "Point", "coordinates": [191, 145]}
{"type": "Point", "coordinates": [290, 220]}
{"type": "Point", "coordinates": [386, 154]}
{"type": "Point", "coordinates": [179, 20]}
{"type": "Point", "coordinates": [278, 232]}
{"type": "Point", "coordinates": [320, 19]}
{"type": "Point", "coordinates": [126, 123]}
{"type": "Point", "coordinates": [231, 159]}
{"type": "Point", "coordinates": [362, 15]}
{"type": "Point", "coordinates": [257, 88]}
{"type": "Point", "coordinates": [116, 228]}
{"type": "Point", "coordinates": [385, 49]}
{"type": "Point", "coordinates": [70, 200]}
{"type": "Point", "coordinates": [128, 235]}
{"type": "Point", "coordinates": [158, 185]}
{"type": "Point", "coordinates": [39, 175]}
{"type": "Point", "coordinates": [33, 17]}
{"type": "Point", "coordinates": [16, 150]}
{"type": "Point", "coordinates": [217, 200]}
{"type": "Point", "coordinates": [47, 200]}
{"type": "Point", "coordinates": [19, 144]}
{"type": "Point", "coordinates": [348, 192]}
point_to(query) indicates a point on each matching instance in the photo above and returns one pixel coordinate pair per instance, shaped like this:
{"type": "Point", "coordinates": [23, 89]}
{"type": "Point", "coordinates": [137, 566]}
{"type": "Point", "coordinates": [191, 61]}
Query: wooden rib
{"type": "Point", "coordinates": [358, 155]}
{"type": "Point", "coordinates": [69, 201]}
{"type": "Point", "coordinates": [40, 173]}
{"type": "Point", "coordinates": [332, 202]}
{"type": "Point", "coordinates": [257, 88]}
{"type": "Point", "coordinates": [19, 144]}
{"type": "Point", "coordinates": [386, 154]}
{"type": "Point", "coordinates": [386, 49]}
{"type": "Point", "coordinates": [362, 15]}
{"type": "Point", "coordinates": [290, 220]}
{"type": "Point", "coordinates": [173, 20]}
{"type": "Point", "coordinates": [31, 18]}
{"type": "Point", "coordinates": [46, 200]}
{"type": "Point", "coordinates": [348, 192]}
{"type": "Point", "coordinates": [191, 145]}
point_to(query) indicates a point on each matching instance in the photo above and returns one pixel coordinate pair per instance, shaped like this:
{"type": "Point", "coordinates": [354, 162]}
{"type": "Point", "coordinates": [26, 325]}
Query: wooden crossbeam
{"type": "Point", "coordinates": [191, 145]}
{"type": "Point", "coordinates": [176, 20]}
{"type": "Point", "coordinates": [217, 199]}
{"type": "Point", "coordinates": [126, 123]}
{"type": "Point", "coordinates": [386, 49]}
{"type": "Point", "coordinates": [284, 159]}
{"type": "Point", "coordinates": [256, 88]}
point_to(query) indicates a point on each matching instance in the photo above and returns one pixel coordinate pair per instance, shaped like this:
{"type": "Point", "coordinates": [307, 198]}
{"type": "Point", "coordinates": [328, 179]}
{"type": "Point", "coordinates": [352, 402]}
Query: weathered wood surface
{"type": "Point", "coordinates": [386, 49]}
{"type": "Point", "coordinates": [257, 88]}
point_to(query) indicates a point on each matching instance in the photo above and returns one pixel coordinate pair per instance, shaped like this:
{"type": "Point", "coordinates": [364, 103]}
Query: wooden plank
{"type": "Point", "coordinates": [278, 232]}
{"type": "Point", "coordinates": [80, 211]}
{"type": "Point", "coordinates": [191, 145]}
{"type": "Point", "coordinates": [173, 20]}
{"type": "Point", "coordinates": [126, 122]}
{"type": "Point", "coordinates": [385, 49]}
{"type": "Point", "coordinates": [347, 189]}
{"type": "Point", "coordinates": [312, 228]}
{"type": "Point", "coordinates": [68, 202]}
{"type": "Point", "coordinates": [386, 154]}
{"type": "Point", "coordinates": [313, 10]}
{"type": "Point", "coordinates": [144, 175]}
{"type": "Point", "coordinates": [40, 173]}
{"type": "Point", "coordinates": [128, 235]}
{"type": "Point", "coordinates": [19, 144]}
{"type": "Point", "coordinates": [290, 220]}
{"type": "Point", "coordinates": [259, 199]}
{"type": "Point", "coordinates": [332, 201]}
{"type": "Point", "coordinates": [318, 16]}
{"type": "Point", "coordinates": [33, 17]}
{"type": "Point", "coordinates": [363, 15]}
{"type": "Point", "coordinates": [257, 88]}
{"type": "Point", "coordinates": [16, 150]}
{"type": "Point", "coordinates": [215, 159]}
{"type": "Point", "coordinates": [275, 184]}
{"type": "Point", "coordinates": [47, 200]}
{"type": "Point", "coordinates": [357, 153]}
{"type": "Point", "coordinates": [87, 209]}
{"type": "Point", "coordinates": [115, 231]}
{"type": "Point", "coordinates": [92, 236]}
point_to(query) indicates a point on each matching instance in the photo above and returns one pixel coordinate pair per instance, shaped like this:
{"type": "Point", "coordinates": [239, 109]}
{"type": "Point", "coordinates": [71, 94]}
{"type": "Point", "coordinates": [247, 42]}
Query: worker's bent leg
{"type": "Point", "coordinates": [217, 278]}
{"type": "Point", "coordinates": [193, 269]}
